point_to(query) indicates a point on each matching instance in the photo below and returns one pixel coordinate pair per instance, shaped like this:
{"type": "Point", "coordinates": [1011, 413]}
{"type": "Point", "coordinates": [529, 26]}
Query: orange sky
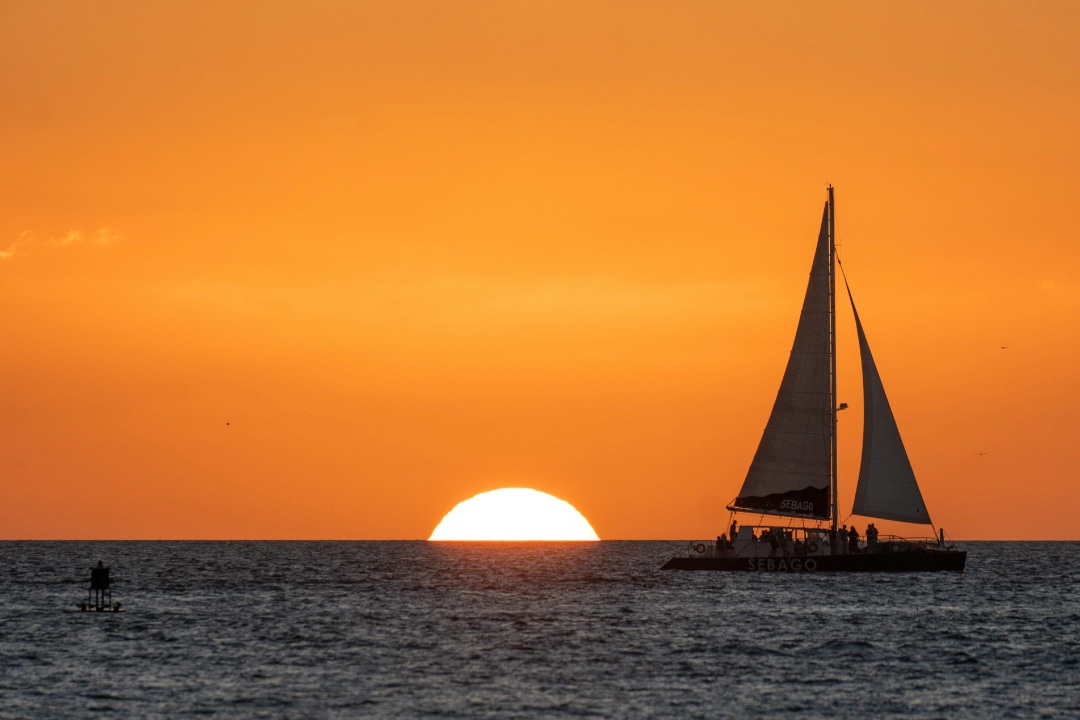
{"type": "Point", "coordinates": [414, 251]}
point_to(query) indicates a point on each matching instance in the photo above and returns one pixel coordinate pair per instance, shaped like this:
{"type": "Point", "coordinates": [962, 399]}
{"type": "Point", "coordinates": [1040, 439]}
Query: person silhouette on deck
{"type": "Point", "coordinates": [853, 540]}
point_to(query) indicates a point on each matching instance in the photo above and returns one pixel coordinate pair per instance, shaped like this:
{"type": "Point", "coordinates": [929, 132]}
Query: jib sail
{"type": "Point", "coordinates": [887, 487]}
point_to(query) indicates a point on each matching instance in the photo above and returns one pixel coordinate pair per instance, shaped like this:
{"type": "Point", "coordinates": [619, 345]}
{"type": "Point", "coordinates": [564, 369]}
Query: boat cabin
{"type": "Point", "coordinates": [773, 541]}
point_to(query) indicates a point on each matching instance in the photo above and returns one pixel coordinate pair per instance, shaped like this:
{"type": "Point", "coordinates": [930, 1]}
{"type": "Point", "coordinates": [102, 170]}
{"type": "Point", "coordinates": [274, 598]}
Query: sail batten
{"type": "Point", "coordinates": [887, 487]}
{"type": "Point", "coordinates": [790, 474]}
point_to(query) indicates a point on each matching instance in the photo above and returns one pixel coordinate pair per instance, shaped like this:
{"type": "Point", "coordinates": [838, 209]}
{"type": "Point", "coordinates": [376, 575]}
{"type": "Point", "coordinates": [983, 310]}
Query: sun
{"type": "Point", "coordinates": [514, 514]}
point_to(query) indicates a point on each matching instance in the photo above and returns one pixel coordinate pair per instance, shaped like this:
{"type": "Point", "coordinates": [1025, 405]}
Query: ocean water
{"type": "Point", "coordinates": [595, 630]}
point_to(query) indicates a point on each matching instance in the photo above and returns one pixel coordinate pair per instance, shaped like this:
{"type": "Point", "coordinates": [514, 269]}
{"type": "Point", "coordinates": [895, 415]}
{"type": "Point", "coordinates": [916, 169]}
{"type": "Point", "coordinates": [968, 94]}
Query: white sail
{"type": "Point", "coordinates": [791, 470]}
{"type": "Point", "coordinates": [887, 487]}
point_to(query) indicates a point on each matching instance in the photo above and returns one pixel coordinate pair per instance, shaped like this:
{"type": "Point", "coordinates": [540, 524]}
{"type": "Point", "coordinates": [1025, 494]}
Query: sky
{"type": "Point", "coordinates": [326, 269]}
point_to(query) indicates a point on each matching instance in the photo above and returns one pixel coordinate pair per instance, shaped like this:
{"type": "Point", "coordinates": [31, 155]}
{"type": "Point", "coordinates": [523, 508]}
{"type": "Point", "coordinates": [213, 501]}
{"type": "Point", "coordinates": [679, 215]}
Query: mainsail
{"type": "Point", "coordinates": [791, 470]}
{"type": "Point", "coordinates": [887, 487]}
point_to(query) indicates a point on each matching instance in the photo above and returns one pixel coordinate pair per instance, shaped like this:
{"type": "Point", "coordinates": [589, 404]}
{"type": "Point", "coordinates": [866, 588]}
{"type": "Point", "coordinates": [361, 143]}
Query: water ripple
{"type": "Point", "coordinates": [416, 629]}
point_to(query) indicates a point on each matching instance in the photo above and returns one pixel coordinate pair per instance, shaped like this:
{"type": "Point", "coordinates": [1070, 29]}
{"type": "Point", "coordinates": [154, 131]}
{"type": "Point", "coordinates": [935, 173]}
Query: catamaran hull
{"type": "Point", "coordinates": [912, 561]}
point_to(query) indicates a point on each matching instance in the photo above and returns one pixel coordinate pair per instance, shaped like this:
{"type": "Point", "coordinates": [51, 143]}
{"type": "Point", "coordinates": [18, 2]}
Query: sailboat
{"type": "Point", "coordinates": [792, 480]}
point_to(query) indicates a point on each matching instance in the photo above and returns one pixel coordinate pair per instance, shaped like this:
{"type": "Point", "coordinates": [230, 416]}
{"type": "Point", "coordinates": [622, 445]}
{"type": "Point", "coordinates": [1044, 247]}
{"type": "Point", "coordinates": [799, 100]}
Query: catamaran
{"type": "Point", "coordinates": [793, 476]}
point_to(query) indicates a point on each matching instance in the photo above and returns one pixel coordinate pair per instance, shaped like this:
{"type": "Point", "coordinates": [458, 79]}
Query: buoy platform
{"type": "Point", "coordinates": [115, 608]}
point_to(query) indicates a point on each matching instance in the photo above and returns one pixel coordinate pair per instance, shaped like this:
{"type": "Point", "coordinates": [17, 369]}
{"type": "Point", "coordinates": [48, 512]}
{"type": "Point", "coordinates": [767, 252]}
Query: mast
{"type": "Point", "coordinates": [833, 491]}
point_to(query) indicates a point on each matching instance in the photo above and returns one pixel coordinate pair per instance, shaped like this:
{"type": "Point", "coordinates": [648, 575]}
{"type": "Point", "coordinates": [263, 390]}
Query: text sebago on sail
{"type": "Point", "coordinates": [793, 473]}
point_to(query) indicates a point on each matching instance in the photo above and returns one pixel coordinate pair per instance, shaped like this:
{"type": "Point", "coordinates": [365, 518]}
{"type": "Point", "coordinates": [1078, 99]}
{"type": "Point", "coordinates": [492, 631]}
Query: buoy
{"type": "Point", "coordinates": [99, 599]}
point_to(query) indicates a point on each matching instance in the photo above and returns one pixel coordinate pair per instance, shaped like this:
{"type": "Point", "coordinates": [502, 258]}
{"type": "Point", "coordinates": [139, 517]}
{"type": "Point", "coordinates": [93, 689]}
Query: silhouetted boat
{"type": "Point", "coordinates": [793, 473]}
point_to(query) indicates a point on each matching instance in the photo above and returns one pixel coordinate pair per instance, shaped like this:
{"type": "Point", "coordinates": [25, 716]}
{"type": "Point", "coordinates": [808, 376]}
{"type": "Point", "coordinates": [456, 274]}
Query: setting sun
{"type": "Point", "coordinates": [514, 514]}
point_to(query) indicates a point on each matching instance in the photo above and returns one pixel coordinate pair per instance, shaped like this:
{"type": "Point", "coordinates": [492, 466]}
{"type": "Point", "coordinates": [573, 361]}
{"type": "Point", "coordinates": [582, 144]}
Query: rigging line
{"type": "Point", "coordinates": [842, 273]}
{"type": "Point", "coordinates": [851, 298]}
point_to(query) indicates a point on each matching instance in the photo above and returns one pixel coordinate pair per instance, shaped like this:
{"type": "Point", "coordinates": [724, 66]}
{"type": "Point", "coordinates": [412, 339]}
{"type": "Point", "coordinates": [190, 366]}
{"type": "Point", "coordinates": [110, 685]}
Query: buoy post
{"type": "Point", "coordinates": [100, 595]}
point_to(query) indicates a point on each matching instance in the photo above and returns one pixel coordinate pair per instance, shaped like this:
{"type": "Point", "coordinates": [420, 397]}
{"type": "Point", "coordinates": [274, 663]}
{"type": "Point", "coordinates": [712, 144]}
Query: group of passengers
{"type": "Point", "coordinates": [852, 536]}
{"type": "Point", "coordinates": [778, 539]}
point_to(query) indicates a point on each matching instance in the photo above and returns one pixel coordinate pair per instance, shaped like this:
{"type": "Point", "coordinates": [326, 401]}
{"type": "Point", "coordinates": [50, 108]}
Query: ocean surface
{"type": "Point", "coordinates": [594, 630]}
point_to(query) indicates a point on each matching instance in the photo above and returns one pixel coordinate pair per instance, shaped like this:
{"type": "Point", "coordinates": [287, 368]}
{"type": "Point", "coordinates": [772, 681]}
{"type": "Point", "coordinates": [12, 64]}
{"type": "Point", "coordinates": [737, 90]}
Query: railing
{"type": "Point", "coordinates": [803, 542]}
